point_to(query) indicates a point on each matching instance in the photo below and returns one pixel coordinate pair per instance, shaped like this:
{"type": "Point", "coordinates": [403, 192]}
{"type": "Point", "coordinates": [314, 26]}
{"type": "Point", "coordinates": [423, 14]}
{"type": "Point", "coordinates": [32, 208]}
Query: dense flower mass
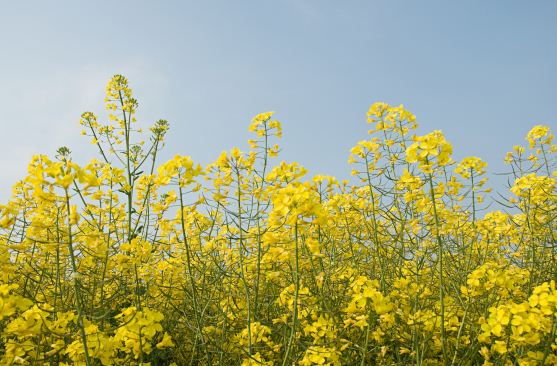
{"type": "Point", "coordinates": [124, 261]}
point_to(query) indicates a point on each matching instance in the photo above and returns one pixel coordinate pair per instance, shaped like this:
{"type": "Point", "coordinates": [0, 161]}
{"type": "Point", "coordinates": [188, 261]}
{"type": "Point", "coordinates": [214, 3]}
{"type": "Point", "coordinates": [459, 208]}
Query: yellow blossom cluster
{"type": "Point", "coordinates": [250, 261]}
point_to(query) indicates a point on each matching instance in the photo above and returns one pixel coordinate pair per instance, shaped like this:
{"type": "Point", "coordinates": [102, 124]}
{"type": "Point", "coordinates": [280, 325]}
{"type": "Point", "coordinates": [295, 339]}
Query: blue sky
{"type": "Point", "coordinates": [484, 72]}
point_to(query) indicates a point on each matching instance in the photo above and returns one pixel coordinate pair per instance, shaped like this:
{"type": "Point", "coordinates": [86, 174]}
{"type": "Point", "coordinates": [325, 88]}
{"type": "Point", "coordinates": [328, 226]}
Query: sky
{"type": "Point", "coordinates": [483, 72]}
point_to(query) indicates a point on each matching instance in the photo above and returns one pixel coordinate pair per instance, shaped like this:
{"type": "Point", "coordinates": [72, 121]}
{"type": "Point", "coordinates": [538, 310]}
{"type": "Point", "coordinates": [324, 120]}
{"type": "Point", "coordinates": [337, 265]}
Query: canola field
{"type": "Point", "coordinates": [249, 261]}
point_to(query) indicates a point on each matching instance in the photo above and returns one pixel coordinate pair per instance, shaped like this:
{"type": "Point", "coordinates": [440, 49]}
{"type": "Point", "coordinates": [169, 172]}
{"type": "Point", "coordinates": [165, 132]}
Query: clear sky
{"type": "Point", "coordinates": [484, 72]}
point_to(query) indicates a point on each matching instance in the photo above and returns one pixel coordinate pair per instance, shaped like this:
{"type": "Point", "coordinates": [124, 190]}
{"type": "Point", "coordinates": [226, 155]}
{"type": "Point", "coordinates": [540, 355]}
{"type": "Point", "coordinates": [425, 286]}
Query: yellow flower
{"type": "Point", "coordinates": [166, 342]}
{"type": "Point", "coordinates": [540, 134]}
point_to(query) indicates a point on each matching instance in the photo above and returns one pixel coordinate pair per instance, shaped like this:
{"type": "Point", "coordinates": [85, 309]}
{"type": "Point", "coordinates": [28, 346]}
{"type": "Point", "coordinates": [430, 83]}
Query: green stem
{"type": "Point", "coordinates": [296, 295]}
{"type": "Point", "coordinates": [77, 290]}
{"type": "Point", "coordinates": [440, 264]}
